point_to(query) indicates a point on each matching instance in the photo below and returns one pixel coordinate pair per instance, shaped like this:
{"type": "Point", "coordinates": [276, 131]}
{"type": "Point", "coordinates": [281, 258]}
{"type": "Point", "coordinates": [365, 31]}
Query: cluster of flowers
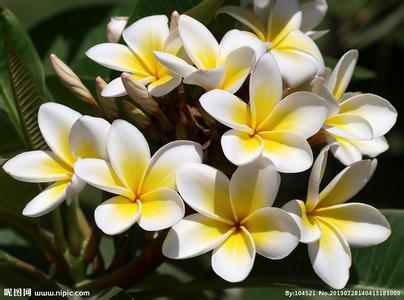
{"type": "Point", "coordinates": [292, 97]}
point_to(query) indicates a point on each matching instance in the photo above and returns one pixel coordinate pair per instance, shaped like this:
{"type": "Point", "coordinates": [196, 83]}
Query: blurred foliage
{"type": "Point", "coordinates": [69, 28]}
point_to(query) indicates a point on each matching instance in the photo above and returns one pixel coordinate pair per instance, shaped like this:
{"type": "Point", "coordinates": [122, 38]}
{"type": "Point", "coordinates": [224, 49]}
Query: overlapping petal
{"type": "Point", "coordinates": [194, 235]}
{"type": "Point", "coordinates": [117, 214]}
{"type": "Point", "coordinates": [161, 208]}
{"type": "Point", "coordinates": [162, 168]}
{"type": "Point", "coordinates": [302, 113]}
{"type": "Point", "coordinates": [206, 190]}
{"type": "Point", "coordinates": [331, 256]}
{"type": "Point", "coordinates": [227, 109]}
{"type": "Point", "coordinates": [347, 183]}
{"type": "Point", "coordinates": [55, 122]}
{"type": "Point", "coordinates": [128, 152]}
{"type": "Point", "coordinates": [253, 186]}
{"type": "Point", "coordinates": [308, 226]}
{"type": "Point", "coordinates": [37, 166]}
{"type": "Point", "coordinates": [240, 147]}
{"type": "Point", "coordinates": [349, 126]}
{"type": "Point", "coordinates": [88, 138]}
{"type": "Point", "coordinates": [288, 151]}
{"type": "Point", "coordinates": [274, 232]}
{"type": "Point", "coordinates": [234, 258]}
{"type": "Point", "coordinates": [362, 225]}
{"type": "Point", "coordinates": [47, 200]}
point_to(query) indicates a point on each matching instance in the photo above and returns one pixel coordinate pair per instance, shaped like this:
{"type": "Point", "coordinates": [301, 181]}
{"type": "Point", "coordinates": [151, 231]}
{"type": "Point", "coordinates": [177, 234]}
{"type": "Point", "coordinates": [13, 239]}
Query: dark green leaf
{"type": "Point", "coordinates": [115, 293]}
{"type": "Point", "coordinates": [22, 82]}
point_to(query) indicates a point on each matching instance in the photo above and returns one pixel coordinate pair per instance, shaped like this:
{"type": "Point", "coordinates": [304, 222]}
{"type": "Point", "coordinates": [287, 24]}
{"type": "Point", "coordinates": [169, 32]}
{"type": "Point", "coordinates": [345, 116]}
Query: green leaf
{"type": "Point", "coordinates": [22, 82]}
{"type": "Point", "coordinates": [115, 293]}
{"type": "Point", "coordinates": [379, 267]}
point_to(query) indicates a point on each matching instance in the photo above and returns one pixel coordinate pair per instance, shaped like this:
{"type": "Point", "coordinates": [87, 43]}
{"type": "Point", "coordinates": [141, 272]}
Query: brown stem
{"type": "Point", "coordinates": [137, 269]}
{"type": "Point", "coordinates": [91, 246]}
{"type": "Point", "coordinates": [14, 262]}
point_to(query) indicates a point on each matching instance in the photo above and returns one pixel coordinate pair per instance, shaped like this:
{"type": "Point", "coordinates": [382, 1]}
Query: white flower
{"type": "Point", "coordinates": [234, 218]}
{"type": "Point", "coordinates": [143, 37]}
{"type": "Point", "coordinates": [223, 66]}
{"type": "Point", "coordinates": [280, 25]}
{"type": "Point", "coordinates": [144, 185]}
{"type": "Point", "coordinates": [356, 122]}
{"type": "Point", "coordinates": [268, 126]}
{"type": "Point", "coordinates": [115, 28]}
{"type": "Point", "coordinates": [330, 226]}
{"type": "Point", "coordinates": [70, 136]}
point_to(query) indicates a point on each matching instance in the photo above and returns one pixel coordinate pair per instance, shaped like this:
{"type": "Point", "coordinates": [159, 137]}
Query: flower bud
{"type": "Point", "coordinates": [138, 92]}
{"type": "Point", "coordinates": [174, 20]}
{"type": "Point", "coordinates": [115, 28]}
{"type": "Point", "coordinates": [108, 104]}
{"type": "Point", "coordinates": [73, 82]}
{"type": "Point", "coordinates": [136, 114]}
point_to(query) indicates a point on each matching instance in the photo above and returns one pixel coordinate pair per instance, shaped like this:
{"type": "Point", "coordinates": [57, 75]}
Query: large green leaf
{"type": "Point", "coordinates": [374, 268]}
{"type": "Point", "coordinates": [22, 82]}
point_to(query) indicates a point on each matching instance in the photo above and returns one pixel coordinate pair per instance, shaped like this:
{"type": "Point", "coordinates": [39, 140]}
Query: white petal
{"type": "Point", "coordinates": [164, 85]}
{"type": "Point", "coordinates": [117, 57]}
{"type": "Point", "coordinates": [288, 151]}
{"type": "Point", "coordinates": [349, 126]}
{"type": "Point", "coordinates": [99, 173]}
{"type": "Point", "coordinates": [161, 208]}
{"type": "Point", "coordinates": [241, 148]}
{"type": "Point", "coordinates": [274, 232]}
{"type": "Point", "coordinates": [207, 79]}
{"type": "Point", "coordinates": [145, 36]}
{"type": "Point", "coordinates": [200, 45]}
{"type": "Point", "coordinates": [312, 14]}
{"type": "Point", "coordinates": [316, 175]}
{"type": "Point", "coordinates": [238, 66]}
{"type": "Point", "coordinates": [114, 88]}
{"type": "Point", "coordinates": [316, 34]}
{"type": "Point", "coordinates": [362, 225]}
{"type": "Point", "coordinates": [175, 64]}
{"type": "Point", "coordinates": [193, 236]}
{"type": "Point", "coordinates": [380, 114]}
{"type": "Point", "coordinates": [246, 17]}
{"type": "Point", "coordinates": [164, 164]}
{"type": "Point", "coordinates": [235, 39]}
{"type": "Point", "coordinates": [75, 187]}
{"type": "Point", "coordinates": [128, 153]}
{"type": "Point", "coordinates": [37, 166]}
{"type": "Point", "coordinates": [115, 28]}
{"type": "Point", "coordinates": [373, 147]}
{"type": "Point", "coordinates": [347, 183]}
{"type": "Point", "coordinates": [309, 228]}
{"type": "Point", "coordinates": [345, 151]}
{"type": "Point", "coordinates": [302, 113]}
{"type": "Point", "coordinates": [88, 137]}
{"type": "Point", "coordinates": [234, 258]}
{"type": "Point", "coordinates": [319, 87]}
{"type": "Point", "coordinates": [286, 17]}
{"type": "Point", "coordinates": [341, 76]}
{"type": "Point", "coordinates": [206, 190]}
{"type": "Point", "coordinates": [295, 66]}
{"type": "Point", "coordinates": [46, 201]}
{"type": "Point", "coordinates": [265, 89]}
{"type": "Point", "coordinates": [227, 109]}
{"type": "Point", "coordinates": [55, 122]}
{"type": "Point", "coordinates": [117, 215]}
{"type": "Point", "coordinates": [254, 186]}
{"type": "Point", "coordinates": [331, 257]}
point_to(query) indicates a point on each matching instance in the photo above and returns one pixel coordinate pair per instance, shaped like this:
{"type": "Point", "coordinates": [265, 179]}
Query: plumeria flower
{"type": "Point", "coordinates": [223, 66]}
{"type": "Point", "coordinates": [234, 218]}
{"type": "Point", "coordinates": [144, 186]}
{"type": "Point", "coordinates": [71, 137]}
{"type": "Point", "coordinates": [115, 28]}
{"type": "Point", "coordinates": [143, 37]}
{"type": "Point", "coordinates": [329, 225]}
{"type": "Point", "coordinates": [356, 123]}
{"type": "Point", "coordinates": [279, 25]}
{"type": "Point", "coordinates": [268, 126]}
